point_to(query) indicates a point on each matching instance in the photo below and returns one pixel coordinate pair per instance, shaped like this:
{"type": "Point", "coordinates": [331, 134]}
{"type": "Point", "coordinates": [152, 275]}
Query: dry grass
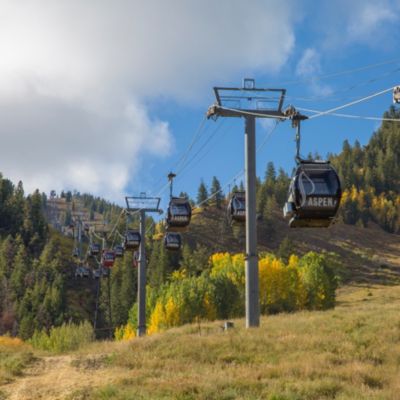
{"type": "Point", "coordinates": [15, 356]}
{"type": "Point", "coordinates": [352, 352]}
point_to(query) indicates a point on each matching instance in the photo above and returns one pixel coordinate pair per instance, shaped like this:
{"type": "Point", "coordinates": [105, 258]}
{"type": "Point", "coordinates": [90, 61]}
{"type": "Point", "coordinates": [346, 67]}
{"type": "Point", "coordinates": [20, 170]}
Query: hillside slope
{"type": "Point", "coordinates": [350, 352]}
{"type": "Point", "coordinates": [368, 254]}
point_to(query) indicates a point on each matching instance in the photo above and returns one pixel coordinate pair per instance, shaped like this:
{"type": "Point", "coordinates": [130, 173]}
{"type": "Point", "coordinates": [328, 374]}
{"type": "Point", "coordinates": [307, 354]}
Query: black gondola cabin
{"type": "Point", "coordinates": [132, 240]}
{"type": "Point", "coordinates": [314, 195]}
{"type": "Point", "coordinates": [94, 249]}
{"type": "Point", "coordinates": [172, 241]}
{"type": "Point", "coordinates": [237, 207]}
{"type": "Point", "coordinates": [179, 213]}
{"type": "Point", "coordinates": [119, 251]}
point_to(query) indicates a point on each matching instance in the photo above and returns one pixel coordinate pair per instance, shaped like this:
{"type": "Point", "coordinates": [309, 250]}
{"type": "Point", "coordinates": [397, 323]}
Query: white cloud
{"type": "Point", "coordinates": [370, 23]}
{"type": "Point", "coordinates": [309, 66]}
{"type": "Point", "coordinates": [76, 78]}
{"type": "Point", "coordinates": [369, 19]}
{"type": "Point", "coordinates": [309, 63]}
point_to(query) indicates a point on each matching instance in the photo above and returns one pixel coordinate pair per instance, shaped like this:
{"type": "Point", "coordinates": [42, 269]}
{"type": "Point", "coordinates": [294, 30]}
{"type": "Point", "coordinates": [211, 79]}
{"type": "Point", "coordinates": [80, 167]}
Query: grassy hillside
{"type": "Point", "coordinates": [370, 255]}
{"type": "Point", "coordinates": [351, 352]}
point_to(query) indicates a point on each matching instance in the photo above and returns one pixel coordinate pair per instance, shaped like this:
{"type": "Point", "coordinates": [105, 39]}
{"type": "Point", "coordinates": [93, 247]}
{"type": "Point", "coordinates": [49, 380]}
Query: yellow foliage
{"type": "Point", "coordinates": [179, 275]}
{"type": "Point", "coordinates": [158, 236]}
{"type": "Point", "coordinates": [157, 318]}
{"type": "Point", "coordinates": [345, 196]}
{"type": "Point", "coordinates": [293, 261]}
{"type": "Point", "coordinates": [159, 228]}
{"type": "Point", "coordinates": [172, 315]}
{"type": "Point", "coordinates": [353, 193]}
{"type": "Point", "coordinates": [219, 261]}
{"type": "Point", "coordinates": [11, 341]}
{"type": "Point", "coordinates": [129, 332]}
{"type": "Point", "coordinates": [238, 259]}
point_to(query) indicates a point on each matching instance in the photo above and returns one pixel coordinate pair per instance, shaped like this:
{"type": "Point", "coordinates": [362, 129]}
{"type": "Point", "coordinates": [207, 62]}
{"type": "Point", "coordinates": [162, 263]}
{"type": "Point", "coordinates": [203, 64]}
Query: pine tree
{"type": "Point", "coordinates": [270, 179]}
{"type": "Point", "coordinates": [281, 187]}
{"type": "Point", "coordinates": [159, 266]}
{"type": "Point", "coordinates": [216, 192]}
{"type": "Point", "coordinates": [20, 270]}
{"type": "Point", "coordinates": [202, 194]}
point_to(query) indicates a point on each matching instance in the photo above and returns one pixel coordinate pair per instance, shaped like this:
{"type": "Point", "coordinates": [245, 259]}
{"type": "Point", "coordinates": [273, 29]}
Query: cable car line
{"type": "Point", "coordinates": [352, 116]}
{"type": "Point", "coordinates": [351, 103]}
{"type": "Point", "coordinates": [196, 136]}
{"type": "Point", "coordinates": [201, 157]}
{"type": "Point", "coordinates": [340, 73]}
{"type": "Point", "coordinates": [331, 95]}
{"type": "Point", "coordinates": [184, 169]}
{"type": "Point", "coordinates": [212, 135]}
{"type": "Point", "coordinates": [117, 222]}
{"type": "Point", "coordinates": [238, 175]}
{"type": "Point", "coordinates": [185, 165]}
{"type": "Point", "coordinates": [241, 172]}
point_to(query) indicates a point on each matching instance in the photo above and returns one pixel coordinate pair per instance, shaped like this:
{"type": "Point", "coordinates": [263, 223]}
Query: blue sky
{"type": "Point", "coordinates": [110, 104]}
{"type": "Point", "coordinates": [321, 50]}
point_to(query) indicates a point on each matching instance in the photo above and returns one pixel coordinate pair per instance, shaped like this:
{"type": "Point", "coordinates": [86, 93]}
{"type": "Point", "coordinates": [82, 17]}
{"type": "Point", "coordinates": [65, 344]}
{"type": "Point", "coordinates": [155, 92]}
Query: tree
{"type": "Point", "coordinates": [68, 196]}
{"type": "Point", "coordinates": [159, 265]}
{"type": "Point", "coordinates": [34, 221]}
{"type": "Point", "coordinates": [285, 249]}
{"type": "Point", "coordinates": [270, 179]}
{"type": "Point", "coordinates": [20, 270]}
{"type": "Point", "coordinates": [202, 194]}
{"type": "Point", "coordinates": [281, 187]}
{"type": "Point", "coordinates": [216, 192]}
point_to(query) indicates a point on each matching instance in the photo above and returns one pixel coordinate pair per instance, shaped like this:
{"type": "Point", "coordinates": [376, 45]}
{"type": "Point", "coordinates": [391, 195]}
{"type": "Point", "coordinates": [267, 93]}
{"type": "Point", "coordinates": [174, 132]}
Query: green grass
{"type": "Point", "coordinates": [64, 338]}
{"type": "Point", "coordinates": [352, 352]}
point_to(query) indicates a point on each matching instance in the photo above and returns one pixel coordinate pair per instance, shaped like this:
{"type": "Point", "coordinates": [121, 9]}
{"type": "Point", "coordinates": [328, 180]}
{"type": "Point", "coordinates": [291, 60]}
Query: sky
{"type": "Point", "coordinates": [107, 97]}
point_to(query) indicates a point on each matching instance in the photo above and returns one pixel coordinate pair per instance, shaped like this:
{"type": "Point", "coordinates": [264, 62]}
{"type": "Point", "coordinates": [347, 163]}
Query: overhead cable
{"type": "Point", "coordinates": [352, 103]}
{"type": "Point", "coordinates": [352, 116]}
{"type": "Point", "coordinates": [340, 73]}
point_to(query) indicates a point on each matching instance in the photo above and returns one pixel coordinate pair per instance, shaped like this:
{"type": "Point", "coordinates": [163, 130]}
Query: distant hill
{"type": "Point", "coordinates": [369, 254]}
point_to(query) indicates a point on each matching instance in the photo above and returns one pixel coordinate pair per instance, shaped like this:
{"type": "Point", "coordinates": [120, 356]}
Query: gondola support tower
{"type": "Point", "coordinates": [142, 205]}
{"type": "Point", "coordinates": [249, 102]}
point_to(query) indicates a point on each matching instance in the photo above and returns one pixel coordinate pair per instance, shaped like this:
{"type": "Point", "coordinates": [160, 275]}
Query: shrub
{"type": "Point", "coordinates": [66, 337]}
{"type": "Point", "coordinates": [303, 283]}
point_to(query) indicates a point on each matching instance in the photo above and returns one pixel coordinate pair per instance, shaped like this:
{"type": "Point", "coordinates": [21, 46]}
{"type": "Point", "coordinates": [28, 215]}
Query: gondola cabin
{"type": "Point", "coordinates": [314, 195]}
{"type": "Point", "coordinates": [179, 213]}
{"type": "Point", "coordinates": [94, 249]}
{"type": "Point", "coordinates": [132, 240]}
{"type": "Point", "coordinates": [119, 251]}
{"type": "Point", "coordinates": [172, 241]}
{"type": "Point", "coordinates": [396, 94]}
{"type": "Point", "coordinates": [108, 258]}
{"type": "Point", "coordinates": [237, 207]}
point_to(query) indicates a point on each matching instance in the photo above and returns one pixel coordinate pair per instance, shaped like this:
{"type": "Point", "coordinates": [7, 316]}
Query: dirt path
{"type": "Point", "coordinates": [58, 378]}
